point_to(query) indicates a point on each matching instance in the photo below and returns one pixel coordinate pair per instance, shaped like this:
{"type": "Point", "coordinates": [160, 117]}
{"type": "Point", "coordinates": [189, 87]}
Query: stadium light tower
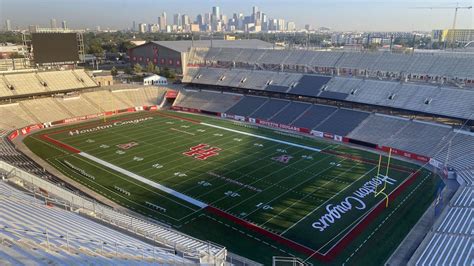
{"type": "Point", "coordinates": [456, 9]}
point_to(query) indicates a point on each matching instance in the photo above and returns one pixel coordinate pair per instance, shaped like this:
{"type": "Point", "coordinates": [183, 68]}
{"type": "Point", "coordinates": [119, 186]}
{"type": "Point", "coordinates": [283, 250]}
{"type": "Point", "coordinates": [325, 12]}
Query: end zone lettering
{"type": "Point", "coordinates": [115, 124]}
{"type": "Point", "coordinates": [335, 212]}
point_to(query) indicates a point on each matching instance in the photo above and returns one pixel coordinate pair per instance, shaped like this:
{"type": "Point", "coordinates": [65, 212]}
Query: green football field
{"type": "Point", "coordinates": [175, 167]}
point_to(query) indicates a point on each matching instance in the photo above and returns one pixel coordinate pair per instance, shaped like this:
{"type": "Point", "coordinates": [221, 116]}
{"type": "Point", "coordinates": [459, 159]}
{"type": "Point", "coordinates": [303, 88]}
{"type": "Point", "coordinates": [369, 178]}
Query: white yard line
{"type": "Point", "coordinates": [263, 137]}
{"type": "Point", "coordinates": [299, 200]}
{"type": "Point", "coordinates": [289, 228]}
{"type": "Point", "coordinates": [145, 180]}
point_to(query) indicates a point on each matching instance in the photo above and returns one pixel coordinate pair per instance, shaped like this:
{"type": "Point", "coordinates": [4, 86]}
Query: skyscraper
{"type": "Point", "coordinates": [177, 19]}
{"type": "Point", "coordinates": [162, 21]}
{"type": "Point", "coordinates": [8, 25]}
{"type": "Point", "coordinates": [200, 20]}
{"type": "Point", "coordinates": [216, 11]}
{"type": "Point", "coordinates": [53, 23]}
{"type": "Point", "coordinates": [142, 27]}
{"type": "Point", "coordinates": [254, 14]}
{"type": "Point", "coordinates": [134, 26]}
{"type": "Point", "coordinates": [64, 25]}
{"type": "Point", "coordinates": [185, 20]}
{"type": "Point", "coordinates": [291, 26]}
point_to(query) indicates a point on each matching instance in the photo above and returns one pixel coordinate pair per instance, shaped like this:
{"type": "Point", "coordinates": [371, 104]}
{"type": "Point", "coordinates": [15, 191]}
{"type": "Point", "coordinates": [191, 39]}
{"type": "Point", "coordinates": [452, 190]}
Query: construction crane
{"type": "Point", "coordinates": [456, 8]}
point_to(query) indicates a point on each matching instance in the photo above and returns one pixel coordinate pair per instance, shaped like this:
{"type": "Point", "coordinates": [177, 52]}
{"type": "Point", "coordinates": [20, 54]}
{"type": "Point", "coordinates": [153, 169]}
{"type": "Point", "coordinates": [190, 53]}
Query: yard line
{"type": "Point", "coordinates": [317, 190]}
{"type": "Point", "coordinates": [115, 193]}
{"type": "Point", "coordinates": [289, 176]}
{"type": "Point", "coordinates": [248, 174]}
{"type": "Point", "coordinates": [171, 154]}
{"type": "Point", "coordinates": [153, 146]}
{"type": "Point", "coordinates": [145, 180]}
{"type": "Point", "coordinates": [276, 215]}
{"type": "Point", "coordinates": [326, 201]}
{"type": "Point", "coordinates": [263, 137]}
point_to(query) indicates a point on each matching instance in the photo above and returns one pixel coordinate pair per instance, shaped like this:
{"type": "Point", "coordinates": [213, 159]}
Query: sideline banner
{"type": "Point", "coordinates": [282, 126]}
{"type": "Point", "coordinates": [26, 130]}
{"type": "Point", "coordinates": [406, 154]}
{"type": "Point", "coordinates": [13, 135]}
{"type": "Point", "coordinates": [317, 133]}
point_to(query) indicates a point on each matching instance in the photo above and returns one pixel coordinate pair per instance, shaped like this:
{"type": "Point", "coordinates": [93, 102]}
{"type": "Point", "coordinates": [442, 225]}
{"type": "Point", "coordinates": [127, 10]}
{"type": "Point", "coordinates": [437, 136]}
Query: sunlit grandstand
{"type": "Point", "coordinates": [240, 163]}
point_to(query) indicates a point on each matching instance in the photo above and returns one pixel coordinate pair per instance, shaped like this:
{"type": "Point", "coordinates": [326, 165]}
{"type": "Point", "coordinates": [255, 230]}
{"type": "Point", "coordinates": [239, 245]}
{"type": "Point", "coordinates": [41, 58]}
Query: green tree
{"type": "Point", "coordinates": [127, 70]}
{"type": "Point", "coordinates": [137, 68]}
{"type": "Point", "coordinates": [165, 72]}
{"type": "Point", "coordinates": [96, 49]}
{"type": "Point", "coordinates": [150, 68]}
{"type": "Point", "coordinates": [123, 46]}
{"type": "Point", "coordinates": [114, 71]}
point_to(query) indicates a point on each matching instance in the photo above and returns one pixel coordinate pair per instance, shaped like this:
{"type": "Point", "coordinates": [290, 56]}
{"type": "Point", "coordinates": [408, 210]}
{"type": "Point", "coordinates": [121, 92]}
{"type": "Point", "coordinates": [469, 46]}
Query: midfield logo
{"type": "Point", "coordinates": [202, 151]}
{"type": "Point", "coordinates": [127, 146]}
{"type": "Point", "coordinates": [283, 158]}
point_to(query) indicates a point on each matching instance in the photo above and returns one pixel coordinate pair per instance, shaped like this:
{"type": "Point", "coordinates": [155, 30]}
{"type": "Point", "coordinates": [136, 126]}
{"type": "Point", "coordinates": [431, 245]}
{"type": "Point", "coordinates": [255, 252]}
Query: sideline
{"type": "Point", "coordinates": [263, 137]}
{"type": "Point", "coordinates": [145, 180]}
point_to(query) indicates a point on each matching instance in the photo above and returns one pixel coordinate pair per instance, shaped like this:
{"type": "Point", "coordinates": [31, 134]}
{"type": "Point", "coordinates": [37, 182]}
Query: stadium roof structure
{"type": "Point", "coordinates": [184, 46]}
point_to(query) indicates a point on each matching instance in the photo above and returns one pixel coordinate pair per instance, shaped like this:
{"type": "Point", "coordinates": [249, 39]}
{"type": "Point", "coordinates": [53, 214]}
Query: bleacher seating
{"type": "Point", "coordinates": [26, 83]}
{"type": "Point", "coordinates": [273, 57]}
{"type": "Point", "coordinates": [309, 85]}
{"type": "Point", "coordinates": [285, 79]}
{"type": "Point", "coordinates": [463, 197]}
{"type": "Point", "coordinates": [420, 137]}
{"type": "Point", "coordinates": [44, 110]}
{"type": "Point", "coordinates": [13, 116]}
{"type": "Point", "coordinates": [458, 150]}
{"type": "Point", "coordinates": [206, 100]}
{"type": "Point", "coordinates": [269, 109]}
{"type": "Point", "coordinates": [446, 249]}
{"type": "Point", "coordinates": [48, 234]}
{"type": "Point", "coordinates": [455, 221]}
{"type": "Point", "coordinates": [450, 240]}
{"type": "Point", "coordinates": [323, 59]}
{"type": "Point", "coordinates": [9, 154]}
{"type": "Point", "coordinates": [415, 97]}
{"type": "Point", "coordinates": [257, 80]}
{"type": "Point", "coordinates": [106, 101]}
{"type": "Point", "coordinates": [60, 80]}
{"type": "Point", "coordinates": [342, 122]}
{"type": "Point", "coordinates": [77, 106]}
{"type": "Point", "coordinates": [139, 96]}
{"type": "Point", "coordinates": [84, 78]}
{"type": "Point", "coordinates": [378, 129]}
{"type": "Point", "coordinates": [290, 112]}
{"type": "Point", "coordinates": [435, 65]}
{"type": "Point", "coordinates": [247, 106]}
{"type": "Point", "coordinates": [451, 102]}
{"type": "Point", "coordinates": [41, 110]}
{"type": "Point", "coordinates": [4, 89]}
{"type": "Point", "coordinates": [208, 76]}
{"type": "Point", "coordinates": [314, 116]}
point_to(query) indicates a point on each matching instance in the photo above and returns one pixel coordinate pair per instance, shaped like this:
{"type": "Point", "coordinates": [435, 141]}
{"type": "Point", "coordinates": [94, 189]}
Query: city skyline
{"type": "Point", "coordinates": [339, 15]}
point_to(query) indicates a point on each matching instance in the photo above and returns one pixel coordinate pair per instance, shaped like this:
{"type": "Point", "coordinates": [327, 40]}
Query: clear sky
{"type": "Point", "coordinates": [370, 15]}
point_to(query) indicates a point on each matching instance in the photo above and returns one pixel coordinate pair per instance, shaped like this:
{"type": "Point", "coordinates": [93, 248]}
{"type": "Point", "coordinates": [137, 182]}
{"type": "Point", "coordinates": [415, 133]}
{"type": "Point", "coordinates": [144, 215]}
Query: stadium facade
{"type": "Point", "coordinates": [174, 54]}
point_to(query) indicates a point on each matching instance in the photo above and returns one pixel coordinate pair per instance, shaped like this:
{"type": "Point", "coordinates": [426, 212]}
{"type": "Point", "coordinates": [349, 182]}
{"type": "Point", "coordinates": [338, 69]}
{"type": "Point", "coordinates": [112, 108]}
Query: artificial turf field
{"type": "Point", "coordinates": [308, 192]}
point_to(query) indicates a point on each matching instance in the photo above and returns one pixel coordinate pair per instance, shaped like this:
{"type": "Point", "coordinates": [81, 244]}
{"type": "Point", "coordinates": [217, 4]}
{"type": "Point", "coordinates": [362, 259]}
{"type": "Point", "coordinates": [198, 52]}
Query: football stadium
{"type": "Point", "coordinates": [258, 156]}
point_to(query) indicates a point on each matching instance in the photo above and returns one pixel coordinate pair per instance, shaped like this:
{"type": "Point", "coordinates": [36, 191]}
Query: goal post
{"type": "Point", "coordinates": [382, 191]}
